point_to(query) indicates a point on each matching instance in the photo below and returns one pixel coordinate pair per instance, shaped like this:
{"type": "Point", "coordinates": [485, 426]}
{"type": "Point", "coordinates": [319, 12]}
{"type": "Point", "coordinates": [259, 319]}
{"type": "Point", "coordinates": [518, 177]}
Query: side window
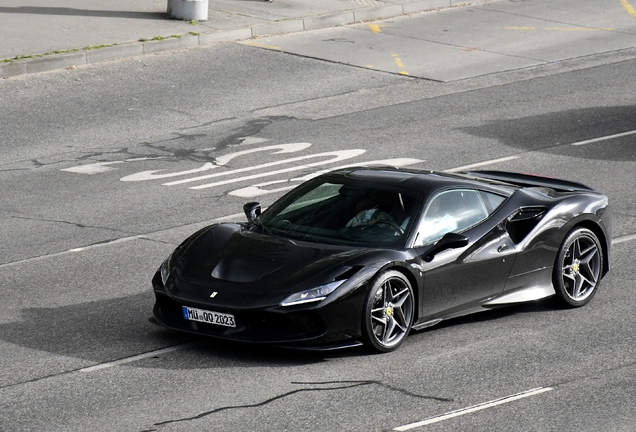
{"type": "Point", "coordinates": [450, 211]}
{"type": "Point", "coordinates": [492, 201]}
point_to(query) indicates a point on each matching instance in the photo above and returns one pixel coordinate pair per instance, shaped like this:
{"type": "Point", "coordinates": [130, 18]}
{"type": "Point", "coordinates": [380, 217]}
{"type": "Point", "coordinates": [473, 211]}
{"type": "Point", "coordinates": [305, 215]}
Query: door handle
{"type": "Point", "coordinates": [502, 248]}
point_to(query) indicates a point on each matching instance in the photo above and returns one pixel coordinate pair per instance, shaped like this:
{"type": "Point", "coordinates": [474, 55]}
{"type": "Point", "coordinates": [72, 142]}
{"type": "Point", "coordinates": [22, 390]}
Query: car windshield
{"type": "Point", "coordinates": [343, 211]}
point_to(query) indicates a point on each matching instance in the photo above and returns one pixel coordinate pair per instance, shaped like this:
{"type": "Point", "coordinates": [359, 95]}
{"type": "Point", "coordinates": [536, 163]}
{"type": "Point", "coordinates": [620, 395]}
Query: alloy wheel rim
{"type": "Point", "coordinates": [391, 312]}
{"type": "Point", "coordinates": [581, 268]}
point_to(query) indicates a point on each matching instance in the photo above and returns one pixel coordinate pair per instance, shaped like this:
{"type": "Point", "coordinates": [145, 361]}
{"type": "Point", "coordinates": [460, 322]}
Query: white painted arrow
{"type": "Point", "coordinates": [337, 156]}
{"type": "Point", "coordinates": [220, 161]}
{"type": "Point", "coordinates": [258, 189]}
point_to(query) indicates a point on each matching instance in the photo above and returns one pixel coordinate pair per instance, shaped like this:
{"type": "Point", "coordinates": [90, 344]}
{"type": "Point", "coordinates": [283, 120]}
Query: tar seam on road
{"type": "Point", "coordinates": [342, 385]}
{"type": "Point", "coordinates": [105, 365]}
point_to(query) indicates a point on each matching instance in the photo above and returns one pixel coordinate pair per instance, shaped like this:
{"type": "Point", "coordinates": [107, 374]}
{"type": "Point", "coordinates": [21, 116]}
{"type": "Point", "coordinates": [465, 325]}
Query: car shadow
{"type": "Point", "coordinates": [108, 330]}
{"type": "Point", "coordinates": [550, 131]}
{"type": "Point", "coordinates": [487, 315]}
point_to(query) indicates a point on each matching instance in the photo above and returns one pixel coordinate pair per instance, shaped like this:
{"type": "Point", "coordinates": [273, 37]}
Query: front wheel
{"type": "Point", "coordinates": [578, 268]}
{"type": "Point", "coordinates": [389, 311]}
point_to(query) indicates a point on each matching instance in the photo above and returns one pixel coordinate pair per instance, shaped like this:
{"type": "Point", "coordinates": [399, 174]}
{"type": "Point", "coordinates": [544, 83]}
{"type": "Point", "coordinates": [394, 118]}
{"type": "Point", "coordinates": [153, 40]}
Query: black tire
{"type": "Point", "coordinates": [388, 312]}
{"type": "Point", "coordinates": [578, 268]}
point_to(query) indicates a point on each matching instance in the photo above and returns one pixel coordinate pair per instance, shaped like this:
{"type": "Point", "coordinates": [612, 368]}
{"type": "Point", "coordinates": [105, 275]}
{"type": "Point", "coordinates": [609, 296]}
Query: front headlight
{"type": "Point", "coordinates": [165, 269]}
{"type": "Point", "coordinates": [312, 295]}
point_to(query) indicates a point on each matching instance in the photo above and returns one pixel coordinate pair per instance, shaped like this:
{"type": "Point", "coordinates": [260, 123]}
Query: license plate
{"type": "Point", "coordinates": [210, 317]}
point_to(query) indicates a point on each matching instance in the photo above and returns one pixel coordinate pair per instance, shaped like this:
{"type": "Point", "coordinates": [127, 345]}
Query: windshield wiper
{"type": "Point", "coordinates": [300, 236]}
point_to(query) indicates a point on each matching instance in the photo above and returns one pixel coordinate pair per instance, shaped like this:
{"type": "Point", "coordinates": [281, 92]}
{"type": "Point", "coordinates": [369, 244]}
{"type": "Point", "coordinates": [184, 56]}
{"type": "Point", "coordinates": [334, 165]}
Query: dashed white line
{"type": "Point", "coordinates": [474, 408]}
{"type": "Point", "coordinates": [481, 164]}
{"type": "Point", "coordinates": [623, 239]}
{"type": "Point", "coordinates": [605, 138]}
{"type": "Point", "coordinates": [231, 217]}
{"type": "Point", "coordinates": [137, 357]}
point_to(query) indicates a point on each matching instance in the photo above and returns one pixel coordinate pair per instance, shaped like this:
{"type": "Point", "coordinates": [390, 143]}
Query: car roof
{"type": "Point", "coordinates": [425, 182]}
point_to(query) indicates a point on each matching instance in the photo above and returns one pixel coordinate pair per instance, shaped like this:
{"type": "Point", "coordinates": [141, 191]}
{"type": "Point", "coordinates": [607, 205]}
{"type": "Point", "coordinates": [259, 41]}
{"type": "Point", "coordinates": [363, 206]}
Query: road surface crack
{"type": "Point", "coordinates": [75, 224]}
{"type": "Point", "coordinates": [333, 385]}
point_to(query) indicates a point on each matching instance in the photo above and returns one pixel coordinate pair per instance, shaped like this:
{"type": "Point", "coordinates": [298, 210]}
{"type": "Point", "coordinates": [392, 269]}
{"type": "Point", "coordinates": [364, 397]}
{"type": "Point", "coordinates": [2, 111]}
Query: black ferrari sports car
{"type": "Point", "coordinates": [363, 255]}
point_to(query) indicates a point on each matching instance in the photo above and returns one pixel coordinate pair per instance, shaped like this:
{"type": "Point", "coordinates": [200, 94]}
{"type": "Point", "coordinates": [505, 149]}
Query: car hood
{"type": "Point", "coordinates": [229, 257]}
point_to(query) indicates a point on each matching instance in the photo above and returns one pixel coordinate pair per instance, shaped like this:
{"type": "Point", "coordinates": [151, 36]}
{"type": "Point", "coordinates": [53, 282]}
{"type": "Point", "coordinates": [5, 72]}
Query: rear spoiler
{"type": "Point", "coordinates": [530, 180]}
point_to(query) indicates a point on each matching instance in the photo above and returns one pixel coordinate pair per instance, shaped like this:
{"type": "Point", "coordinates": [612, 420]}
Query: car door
{"type": "Point", "coordinates": [456, 279]}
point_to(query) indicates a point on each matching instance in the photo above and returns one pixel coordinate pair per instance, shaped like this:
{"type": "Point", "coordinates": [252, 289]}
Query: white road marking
{"type": "Point", "coordinates": [150, 175]}
{"type": "Point", "coordinates": [232, 217]}
{"type": "Point", "coordinates": [605, 138]}
{"type": "Point", "coordinates": [396, 162]}
{"type": "Point", "coordinates": [257, 189]}
{"type": "Point", "coordinates": [474, 408]}
{"type": "Point", "coordinates": [351, 153]}
{"type": "Point", "coordinates": [220, 161]}
{"type": "Point", "coordinates": [249, 140]}
{"type": "Point", "coordinates": [136, 357]}
{"type": "Point", "coordinates": [481, 164]}
{"type": "Point", "coordinates": [336, 156]}
{"type": "Point", "coordinates": [623, 239]}
{"type": "Point", "coordinates": [101, 167]}
{"type": "Point", "coordinates": [91, 169]}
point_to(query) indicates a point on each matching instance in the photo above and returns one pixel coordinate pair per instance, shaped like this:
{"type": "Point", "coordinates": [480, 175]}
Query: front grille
{"type": "Point", "coordinates": [257, 326]}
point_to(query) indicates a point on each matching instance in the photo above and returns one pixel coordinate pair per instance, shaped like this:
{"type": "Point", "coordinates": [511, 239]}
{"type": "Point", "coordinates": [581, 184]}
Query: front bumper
{"type": "Point", "coordinates": [309, 327]}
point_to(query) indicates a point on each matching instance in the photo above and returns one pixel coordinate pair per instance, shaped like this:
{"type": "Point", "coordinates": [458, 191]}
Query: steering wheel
{"type": "Point", "coordinates": [395, 227]}
{"type": "Point", "coordinates": [284, 222]}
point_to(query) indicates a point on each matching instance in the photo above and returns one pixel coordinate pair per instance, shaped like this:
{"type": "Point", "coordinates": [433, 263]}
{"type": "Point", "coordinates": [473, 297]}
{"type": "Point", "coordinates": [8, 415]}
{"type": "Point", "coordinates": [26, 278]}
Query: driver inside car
{"type": "Point", "coordinates": [380, 206]}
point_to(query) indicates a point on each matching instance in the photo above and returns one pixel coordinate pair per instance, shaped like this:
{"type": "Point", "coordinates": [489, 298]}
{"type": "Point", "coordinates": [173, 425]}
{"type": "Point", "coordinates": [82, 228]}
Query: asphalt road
{"type": "Point", "coordinates": [100, 179]}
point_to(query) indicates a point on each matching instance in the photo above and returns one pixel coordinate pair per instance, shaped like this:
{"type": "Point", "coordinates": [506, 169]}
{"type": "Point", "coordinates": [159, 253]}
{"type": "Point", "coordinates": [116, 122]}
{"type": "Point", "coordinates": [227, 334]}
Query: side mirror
{"type": "Point", "coordinates": [449, 241]}
{"type": "Point", "coordinates": [252, 211]}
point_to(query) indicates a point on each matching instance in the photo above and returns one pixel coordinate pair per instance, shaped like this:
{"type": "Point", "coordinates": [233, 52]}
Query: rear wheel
{"type": "Point", "coordinates": [578, 268]}
{"type": "Point", "coordinates": [389, 311]}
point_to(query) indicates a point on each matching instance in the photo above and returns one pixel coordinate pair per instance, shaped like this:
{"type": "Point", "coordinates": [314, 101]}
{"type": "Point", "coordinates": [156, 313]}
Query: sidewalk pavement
{"type": "Point", "coordinates": [44, 35]}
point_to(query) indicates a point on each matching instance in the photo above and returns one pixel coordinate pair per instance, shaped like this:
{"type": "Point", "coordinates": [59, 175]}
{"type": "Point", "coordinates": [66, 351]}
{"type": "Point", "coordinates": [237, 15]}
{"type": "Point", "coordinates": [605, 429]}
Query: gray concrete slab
{"type": "Point", "coordinates": [507, 34]}
{"type": "Point", "coordinates": [36, 27]}
{"type": "Point", "coordinates": [359, 46]}
{"type": "Point", "coordinates": [49, 27]}
{"type": "Point", "coordinates": [611, 14]}
{"type": "Point", "coordinates": [509, 31]}
{"type": "Point", "coordinates": [171, 44]}
{"type": "Point", "coordinates": [18, 67]}
{"type": "Point", "coordinates": [114, 52]}
{"type": "Point", "coordinates": [472, 41]}
{"type": "Point", "coordinates": [287, 26]}
{"type": "Point", "coordinates": [286, 9]}
{"type": "Point", "coordinates": [58, 62]}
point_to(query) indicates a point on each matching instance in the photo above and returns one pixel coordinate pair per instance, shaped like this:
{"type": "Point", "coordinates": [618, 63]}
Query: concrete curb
{"type": "Point", "coordinates": [53, 62]}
